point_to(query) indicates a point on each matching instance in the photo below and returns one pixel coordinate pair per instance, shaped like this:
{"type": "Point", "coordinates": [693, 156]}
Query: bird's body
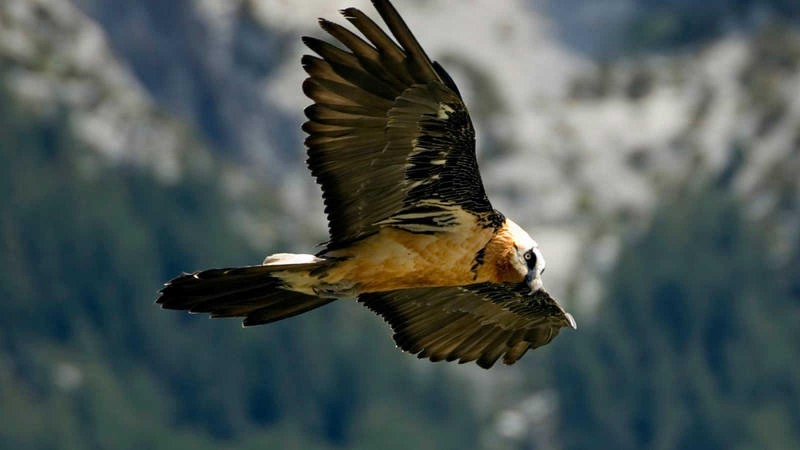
{"type": "Point", "coordinates": [413, 235]}
{"type": "Point", "coordinates": [395, 259]}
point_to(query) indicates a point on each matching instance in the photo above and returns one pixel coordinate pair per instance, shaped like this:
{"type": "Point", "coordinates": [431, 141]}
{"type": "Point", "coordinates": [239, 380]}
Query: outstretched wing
{"type": "Point", "coordinates": [390, 139]}
{"type": "Point", "coordinates": [478, 322]}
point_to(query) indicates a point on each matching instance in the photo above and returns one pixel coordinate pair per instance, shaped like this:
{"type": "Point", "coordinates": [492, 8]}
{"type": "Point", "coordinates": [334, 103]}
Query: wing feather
{"type": "Point", "coordinates": [391, 56]}
{"type": "Point", "coordinates": [417, 60]}
{"type": "Point", "coordinates": [481, 322]}
{"type": "Point", "coordinates": [368, 56]}
{"type": "Point", "coordinates": [387, 131]}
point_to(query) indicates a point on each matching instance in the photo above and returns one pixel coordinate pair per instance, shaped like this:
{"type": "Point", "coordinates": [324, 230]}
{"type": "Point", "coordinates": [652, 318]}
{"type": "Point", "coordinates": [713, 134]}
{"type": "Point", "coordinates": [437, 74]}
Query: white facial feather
{"type": "Point", "coordinates": [521, 239]}
{"type": "Point", "coordinates": [523, 242]}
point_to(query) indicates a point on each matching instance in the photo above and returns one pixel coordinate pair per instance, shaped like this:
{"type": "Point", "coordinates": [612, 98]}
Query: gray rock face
{"type": "Point", "coordinates": [206, 62]}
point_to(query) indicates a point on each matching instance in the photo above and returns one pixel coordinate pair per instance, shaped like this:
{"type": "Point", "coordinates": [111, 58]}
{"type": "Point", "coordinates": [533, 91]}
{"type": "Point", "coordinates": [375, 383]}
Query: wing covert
{"type": "Point", "coordinates": [480, 322]}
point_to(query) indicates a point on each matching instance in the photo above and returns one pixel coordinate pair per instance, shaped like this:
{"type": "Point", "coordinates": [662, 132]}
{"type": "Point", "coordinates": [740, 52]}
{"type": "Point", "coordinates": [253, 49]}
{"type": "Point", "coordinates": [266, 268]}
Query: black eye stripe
{"type": "Point", "coordinates": [530, 259]}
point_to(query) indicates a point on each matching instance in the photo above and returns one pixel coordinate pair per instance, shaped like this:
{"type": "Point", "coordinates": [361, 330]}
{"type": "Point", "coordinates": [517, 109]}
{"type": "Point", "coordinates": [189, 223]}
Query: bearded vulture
{"type": "Point", "coordinates": [412, 234]}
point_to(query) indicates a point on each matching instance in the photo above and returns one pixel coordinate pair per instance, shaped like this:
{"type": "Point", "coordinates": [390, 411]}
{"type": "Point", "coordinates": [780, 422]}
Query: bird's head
{"type": "Point", "coordinates": [527, 258]}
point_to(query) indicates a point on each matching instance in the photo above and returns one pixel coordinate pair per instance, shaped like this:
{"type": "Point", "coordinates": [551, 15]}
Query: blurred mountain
{"type": "Point", "coordinates": [205, 61]}
{"type": "Point", "coordinates": [620, 135]}
{"type": "Point", "coordinates": [615, 28]}
{"type": "Point", "coordinates": [649, 120]}
{"type": "Point", "coordinates": [103, 197]}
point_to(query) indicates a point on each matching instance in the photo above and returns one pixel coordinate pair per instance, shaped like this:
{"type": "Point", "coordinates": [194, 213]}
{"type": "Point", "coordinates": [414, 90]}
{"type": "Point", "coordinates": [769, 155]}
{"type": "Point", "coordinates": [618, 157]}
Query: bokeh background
{"type": "Point", "coordinates": [651, 147]}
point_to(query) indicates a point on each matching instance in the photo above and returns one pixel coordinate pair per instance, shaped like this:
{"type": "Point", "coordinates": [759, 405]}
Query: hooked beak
{"type": "Point", "coordinates": [533, 282]}
{"type": "Point", "coordinates": [571, 321]}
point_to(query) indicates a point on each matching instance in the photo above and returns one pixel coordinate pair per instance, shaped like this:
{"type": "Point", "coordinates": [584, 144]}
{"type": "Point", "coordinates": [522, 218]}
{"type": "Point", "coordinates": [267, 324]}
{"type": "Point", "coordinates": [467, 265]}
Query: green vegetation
{"type": "Point", "coordinates": [88, 361]}
{"type": "Point", "coordinates": [697, 341]}
{"type": "Point", "coordinates": [694, 346]}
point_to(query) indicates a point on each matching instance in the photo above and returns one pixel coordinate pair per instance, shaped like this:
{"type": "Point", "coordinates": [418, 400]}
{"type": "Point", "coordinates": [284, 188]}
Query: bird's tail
{"type": "Point", "coordinates": [260, 294]}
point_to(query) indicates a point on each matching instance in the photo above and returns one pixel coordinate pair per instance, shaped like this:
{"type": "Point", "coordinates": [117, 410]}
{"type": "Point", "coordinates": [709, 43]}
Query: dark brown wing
{"type": "Point", "coordinates": [479, 322]}
{"type": "Point", "coordinates": [390, 139]}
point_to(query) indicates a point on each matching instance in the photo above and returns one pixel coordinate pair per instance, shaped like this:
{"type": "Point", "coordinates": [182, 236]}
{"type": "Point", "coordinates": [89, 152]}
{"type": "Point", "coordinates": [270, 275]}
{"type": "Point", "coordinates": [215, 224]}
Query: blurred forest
{"type": "Point", "coordinates": [694, 343]}
{"type": "Point", "coordinates": [89, 362]}
{"type": "Point", "coordinates": [696, 347]}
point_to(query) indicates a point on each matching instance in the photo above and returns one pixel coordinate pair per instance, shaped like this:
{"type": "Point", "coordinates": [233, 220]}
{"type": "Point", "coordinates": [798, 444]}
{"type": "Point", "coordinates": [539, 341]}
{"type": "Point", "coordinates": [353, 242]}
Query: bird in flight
{"type": "Point", "coordinates": [412, 234]}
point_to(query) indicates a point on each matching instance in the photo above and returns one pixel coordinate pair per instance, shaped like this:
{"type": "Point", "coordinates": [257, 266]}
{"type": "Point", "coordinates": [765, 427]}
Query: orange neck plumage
{"type": "Point", "coordinates": [498, 257]}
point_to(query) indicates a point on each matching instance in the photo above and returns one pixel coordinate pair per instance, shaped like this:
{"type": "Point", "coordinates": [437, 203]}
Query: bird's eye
{"type": "Point", "coordinates": [530, 259]}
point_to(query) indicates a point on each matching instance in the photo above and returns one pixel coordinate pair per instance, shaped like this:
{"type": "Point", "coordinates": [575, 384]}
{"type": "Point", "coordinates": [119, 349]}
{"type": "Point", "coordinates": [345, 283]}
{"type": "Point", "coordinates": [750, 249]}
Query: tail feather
{"type": "Point", "coordinates": [255, 293]}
